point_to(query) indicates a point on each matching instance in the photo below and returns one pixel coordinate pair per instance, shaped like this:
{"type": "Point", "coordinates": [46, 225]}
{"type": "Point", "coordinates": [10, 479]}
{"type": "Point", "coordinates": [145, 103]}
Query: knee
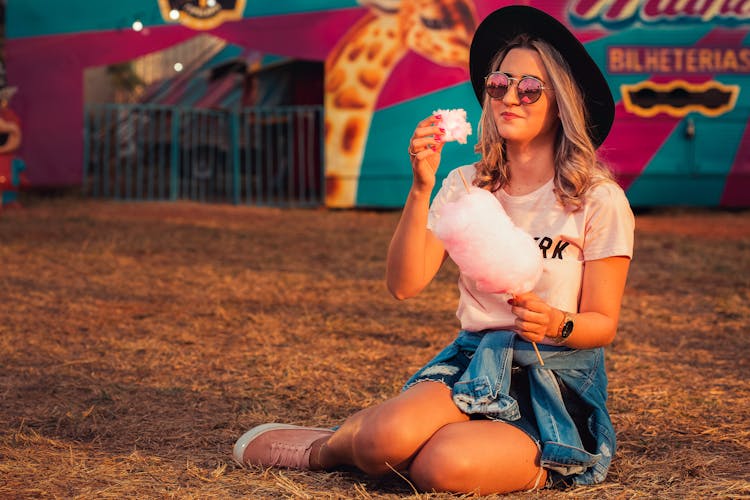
{"type": "Point", "coordinates": [445, 465]}
{"type": "Point", "coordinates": [383, 441]}
{"type": "Point", "coordinates": [440, 466]}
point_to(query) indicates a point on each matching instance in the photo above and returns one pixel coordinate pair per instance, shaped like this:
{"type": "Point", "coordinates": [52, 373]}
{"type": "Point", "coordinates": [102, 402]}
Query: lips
{"type": "Point", "coordinates": [509, 116]}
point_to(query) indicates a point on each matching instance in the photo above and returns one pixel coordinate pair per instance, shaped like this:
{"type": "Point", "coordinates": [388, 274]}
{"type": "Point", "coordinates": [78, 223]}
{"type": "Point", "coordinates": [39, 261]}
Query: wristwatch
{"type": "Point", "coordinates": [565, 328]}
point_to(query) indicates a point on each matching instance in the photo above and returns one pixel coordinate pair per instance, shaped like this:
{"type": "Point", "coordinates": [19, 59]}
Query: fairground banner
{"type": "Point", "coordinates": [678, 70]}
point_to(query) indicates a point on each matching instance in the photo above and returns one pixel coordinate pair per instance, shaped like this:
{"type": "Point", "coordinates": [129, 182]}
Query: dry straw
{"type": "Point", "coordinates": [138, 341]}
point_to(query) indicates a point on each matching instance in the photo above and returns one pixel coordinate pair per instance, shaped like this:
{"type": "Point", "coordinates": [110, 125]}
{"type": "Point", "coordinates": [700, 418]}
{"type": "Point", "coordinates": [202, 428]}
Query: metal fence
{"type": "Point", "coordinates": [257, 156]}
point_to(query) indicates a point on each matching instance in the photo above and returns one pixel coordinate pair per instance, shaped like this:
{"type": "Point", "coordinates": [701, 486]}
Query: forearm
{"type": "Point", "coordinates": [415, 254]}
{"type": "Point", "coordinates": [596, 323]}
{"type": "Point", "coordinates": [591, 329]}
{"type": "Point", "coordinates": [407, 271]}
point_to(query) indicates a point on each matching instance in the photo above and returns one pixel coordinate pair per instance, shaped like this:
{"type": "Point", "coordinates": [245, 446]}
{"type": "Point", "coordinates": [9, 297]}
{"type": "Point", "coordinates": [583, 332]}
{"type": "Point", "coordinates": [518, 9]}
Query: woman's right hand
{"type": "Point", "coordinates": [424, 149]}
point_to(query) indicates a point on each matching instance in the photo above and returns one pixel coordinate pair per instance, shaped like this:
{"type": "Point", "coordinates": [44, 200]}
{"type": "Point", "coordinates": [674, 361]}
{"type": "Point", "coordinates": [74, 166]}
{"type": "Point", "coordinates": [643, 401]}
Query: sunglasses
{"type": "Point", "coordinates": [529, 89]}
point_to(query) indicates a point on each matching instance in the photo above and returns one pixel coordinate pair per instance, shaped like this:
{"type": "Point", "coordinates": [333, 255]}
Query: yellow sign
{"type": "Point", "coordinates": [201, 14]}
{"type": "Point", "coordinates": [678, 98]}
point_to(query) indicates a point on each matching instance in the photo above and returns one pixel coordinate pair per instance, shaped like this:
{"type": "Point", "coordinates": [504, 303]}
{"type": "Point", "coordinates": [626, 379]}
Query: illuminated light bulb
{"type": "Point", "coordinates": [178, 67]}
{"type": "Point", "coordinates": [174, 14]}
{"type": "Point", "coordinates": [137, 25]}
{"type": "Point", "coordinates": [211, 3]}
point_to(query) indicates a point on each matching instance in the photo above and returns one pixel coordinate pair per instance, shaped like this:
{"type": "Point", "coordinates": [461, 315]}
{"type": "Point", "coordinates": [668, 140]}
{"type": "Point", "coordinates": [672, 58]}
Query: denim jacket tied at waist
{"type": "Point", "coordinates": [484, 388]}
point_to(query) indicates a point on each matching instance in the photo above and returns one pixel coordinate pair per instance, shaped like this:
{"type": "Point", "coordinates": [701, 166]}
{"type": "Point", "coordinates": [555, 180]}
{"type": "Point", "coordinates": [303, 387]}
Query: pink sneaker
{"type": "Point", "coordinates": [278, 445]}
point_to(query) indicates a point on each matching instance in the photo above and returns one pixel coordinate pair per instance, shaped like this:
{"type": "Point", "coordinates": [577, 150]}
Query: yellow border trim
{"type": "Point", "coordinates": [203, 24]}
{"type": "Point", "coordinates": [626, 90]}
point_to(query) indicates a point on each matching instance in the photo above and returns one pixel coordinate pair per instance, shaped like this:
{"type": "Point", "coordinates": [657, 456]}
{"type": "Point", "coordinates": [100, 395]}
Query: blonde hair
{"type": "Point", "coordinates": [577, 167]}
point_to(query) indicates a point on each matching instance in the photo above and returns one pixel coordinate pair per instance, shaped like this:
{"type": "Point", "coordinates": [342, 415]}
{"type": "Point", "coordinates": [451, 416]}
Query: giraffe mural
{"type": "Point", "coordinates": [359, 66]}
{"type": "Point", "coordinates": [378, 72]}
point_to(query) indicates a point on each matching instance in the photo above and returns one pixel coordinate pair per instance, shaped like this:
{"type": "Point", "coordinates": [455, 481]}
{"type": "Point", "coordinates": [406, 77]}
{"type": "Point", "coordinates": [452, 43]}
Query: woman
{"type": "Point", "coordinates": [484, 416]}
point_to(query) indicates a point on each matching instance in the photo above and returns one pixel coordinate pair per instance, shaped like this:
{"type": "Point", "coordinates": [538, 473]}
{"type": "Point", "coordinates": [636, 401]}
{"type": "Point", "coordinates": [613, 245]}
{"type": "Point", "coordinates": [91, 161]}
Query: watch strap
{"type": "Point", "coordinates": [562, 332]}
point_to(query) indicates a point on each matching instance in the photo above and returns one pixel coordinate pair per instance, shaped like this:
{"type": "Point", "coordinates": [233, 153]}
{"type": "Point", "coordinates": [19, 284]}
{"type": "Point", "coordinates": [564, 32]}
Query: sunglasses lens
{"type": "Point", "coordinates": [529, 90]}
{"type": "Point", "coordinates": [496, 85]}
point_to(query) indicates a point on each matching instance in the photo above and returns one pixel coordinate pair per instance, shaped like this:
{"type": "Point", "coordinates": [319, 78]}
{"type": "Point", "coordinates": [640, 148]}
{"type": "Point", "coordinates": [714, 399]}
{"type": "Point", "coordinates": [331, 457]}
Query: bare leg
{"type": "Point", "coordinates": [480, 457]}
{"type": "Point", "coordinates": [390, 433]}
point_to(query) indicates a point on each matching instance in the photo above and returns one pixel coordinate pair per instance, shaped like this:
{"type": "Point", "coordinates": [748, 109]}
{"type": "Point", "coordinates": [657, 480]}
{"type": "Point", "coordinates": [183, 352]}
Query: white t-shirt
{"type": "Point", "coordinates": [602, 227]}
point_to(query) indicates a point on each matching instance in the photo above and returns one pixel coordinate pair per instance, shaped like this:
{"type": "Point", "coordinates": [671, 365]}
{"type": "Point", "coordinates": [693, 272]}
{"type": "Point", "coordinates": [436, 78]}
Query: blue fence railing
{"type": "Point", "coordinates": [256, 156]}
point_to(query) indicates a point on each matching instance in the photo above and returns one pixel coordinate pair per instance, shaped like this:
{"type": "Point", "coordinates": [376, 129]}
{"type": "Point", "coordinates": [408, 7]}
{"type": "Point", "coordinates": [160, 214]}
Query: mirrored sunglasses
{"type": "Point", "coordinates": [529, 89]}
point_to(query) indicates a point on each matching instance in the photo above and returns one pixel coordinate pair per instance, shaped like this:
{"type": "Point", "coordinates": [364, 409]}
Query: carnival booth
{"type": "Point", "coordinates": [312, 102]}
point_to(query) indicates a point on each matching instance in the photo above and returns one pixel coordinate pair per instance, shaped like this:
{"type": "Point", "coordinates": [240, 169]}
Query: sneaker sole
{"type": "Point", "coordinates": [238, 451]}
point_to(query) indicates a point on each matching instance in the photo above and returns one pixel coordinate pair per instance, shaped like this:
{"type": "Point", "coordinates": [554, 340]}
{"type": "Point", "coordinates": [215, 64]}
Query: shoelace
{"type": "Point", "coordinates": [289, 455]}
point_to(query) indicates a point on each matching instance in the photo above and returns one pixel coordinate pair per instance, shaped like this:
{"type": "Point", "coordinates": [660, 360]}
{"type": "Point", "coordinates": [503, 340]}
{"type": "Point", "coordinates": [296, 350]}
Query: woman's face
{"type": "Point", "coordinates": [525, 123]}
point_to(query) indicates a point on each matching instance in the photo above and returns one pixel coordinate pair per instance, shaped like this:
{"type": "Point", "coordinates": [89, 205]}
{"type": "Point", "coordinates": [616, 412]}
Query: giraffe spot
{"type": "Point", "coordinates": [349, 99]}
{"type": "Point", "coordinates": [355, 51]}
{"type": "Point", "coordinates": [333, 186]}
{"type": "Point", "coordinates": [373, 50]}
{"type": "Point", "coordinates": [335, 79]}
{"type": "Point", "coordinates": [390, 33]}
{"type": "Point", "coordinates": [352, 135]}
{"type": "Point", "coordinates": [388, 59]}
{"type": "Point", "coordinates": [369, 77]}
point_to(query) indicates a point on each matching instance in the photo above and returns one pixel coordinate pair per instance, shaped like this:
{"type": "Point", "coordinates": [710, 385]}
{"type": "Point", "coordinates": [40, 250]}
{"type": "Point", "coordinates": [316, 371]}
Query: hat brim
{"type": "Point", "coordinates": [503, 25]}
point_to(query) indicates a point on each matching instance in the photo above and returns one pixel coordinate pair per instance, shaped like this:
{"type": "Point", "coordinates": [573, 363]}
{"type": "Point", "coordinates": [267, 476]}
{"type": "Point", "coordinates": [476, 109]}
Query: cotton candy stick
{"type": "Point", "coordinates": [463, 179]}
{"type": "Point", "coordinates": [468, 192]}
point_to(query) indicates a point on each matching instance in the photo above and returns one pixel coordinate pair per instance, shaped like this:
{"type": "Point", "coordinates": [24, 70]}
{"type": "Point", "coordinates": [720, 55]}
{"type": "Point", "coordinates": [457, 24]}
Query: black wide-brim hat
{"type": "Point", "coordinates": [503, 25]}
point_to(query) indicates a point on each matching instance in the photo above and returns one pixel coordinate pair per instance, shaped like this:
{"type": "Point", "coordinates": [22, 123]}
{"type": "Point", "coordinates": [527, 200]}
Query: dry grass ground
{"type": "Point", "coordinates": [137, 341]}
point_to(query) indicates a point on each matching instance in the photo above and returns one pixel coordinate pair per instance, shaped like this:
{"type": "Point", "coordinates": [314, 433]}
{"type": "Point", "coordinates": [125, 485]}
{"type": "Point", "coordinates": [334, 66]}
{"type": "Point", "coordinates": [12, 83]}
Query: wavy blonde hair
{"type": "Point", "coordinates": [577, 167]}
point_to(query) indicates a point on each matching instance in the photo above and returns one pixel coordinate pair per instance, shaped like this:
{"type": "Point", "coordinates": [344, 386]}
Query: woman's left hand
{"type": "Point", "coordinates": [535, 319]}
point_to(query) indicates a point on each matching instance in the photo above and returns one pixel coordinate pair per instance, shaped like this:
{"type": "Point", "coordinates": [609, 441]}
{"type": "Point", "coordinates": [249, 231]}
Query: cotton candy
{"type": "Point", "coordinates": [486, 245]}
{"type": "Point", "coordinates": [453, 121]}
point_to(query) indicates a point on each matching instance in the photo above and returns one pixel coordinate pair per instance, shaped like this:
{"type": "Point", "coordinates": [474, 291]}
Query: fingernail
{"type": "Point", "coordinates": [510, 301]}
{"type": "Point", "coordinates": [437, 117]}
{"type": "Point", "coordinates": [432, 147]}
{"type": "Point", "coordinates": [441, 129]}
{"type": "Point", "coordinates": [438, 138]}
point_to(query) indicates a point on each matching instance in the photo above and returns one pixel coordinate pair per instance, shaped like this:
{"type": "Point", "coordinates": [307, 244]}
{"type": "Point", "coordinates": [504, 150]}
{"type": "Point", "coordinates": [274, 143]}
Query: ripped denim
{"type": "Point", "coordinates": [572, 383]}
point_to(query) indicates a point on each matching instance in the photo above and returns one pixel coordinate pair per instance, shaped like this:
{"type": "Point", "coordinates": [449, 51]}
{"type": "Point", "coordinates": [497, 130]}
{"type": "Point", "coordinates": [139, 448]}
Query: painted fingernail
{"type": "Point", "coordinates": [437, 117]}
{"type": "Point", "coordinates": [510, 301]}
{"type": "Point", "coordinates": [442, 129]}
{"type": "Point", "coordinates": [438, 138]}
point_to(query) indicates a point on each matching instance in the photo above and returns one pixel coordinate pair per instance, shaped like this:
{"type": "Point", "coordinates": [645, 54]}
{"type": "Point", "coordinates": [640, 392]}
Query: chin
{"type": "Point", "coordinates": [514, 137]}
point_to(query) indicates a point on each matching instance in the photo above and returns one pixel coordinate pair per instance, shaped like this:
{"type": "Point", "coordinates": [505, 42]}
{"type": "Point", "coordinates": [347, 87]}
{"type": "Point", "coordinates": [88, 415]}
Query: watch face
{"type": "Point", "coordinates": [566, 329]}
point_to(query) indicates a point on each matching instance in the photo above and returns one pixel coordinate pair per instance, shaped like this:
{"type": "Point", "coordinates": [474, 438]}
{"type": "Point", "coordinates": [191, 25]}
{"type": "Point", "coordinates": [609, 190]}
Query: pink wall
{"type": "Point", "coordinates": [49, 74]}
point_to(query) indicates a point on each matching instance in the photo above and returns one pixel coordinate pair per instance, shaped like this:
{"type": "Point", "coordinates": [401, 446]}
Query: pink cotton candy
{"type": "Point", "coordinates": [486, 245]}
{"type": "Point", "coordinates": [453, 121]}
